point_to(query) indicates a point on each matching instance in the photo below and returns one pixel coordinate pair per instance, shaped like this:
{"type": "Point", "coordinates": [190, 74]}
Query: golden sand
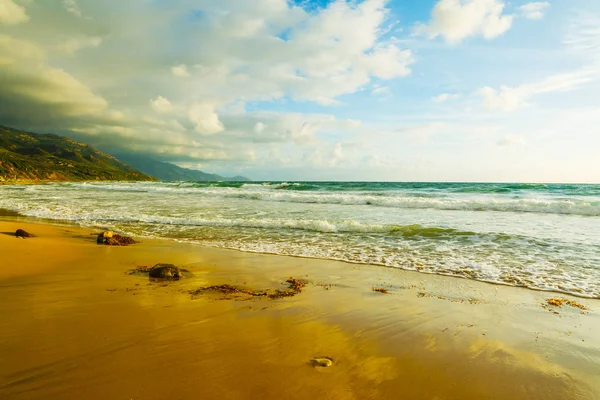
{"type": "Point", "coordinates": [75, 324]}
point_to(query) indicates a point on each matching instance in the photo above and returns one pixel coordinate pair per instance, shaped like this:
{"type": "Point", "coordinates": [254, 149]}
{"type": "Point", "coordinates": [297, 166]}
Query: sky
{"type": "Point", "coordinates": [398, 90]}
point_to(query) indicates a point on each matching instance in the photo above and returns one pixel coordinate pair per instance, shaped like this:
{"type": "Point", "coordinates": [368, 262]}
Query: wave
{"type": "Point", "coordinates": [295, 192]}
{"type": "Point", "coordinates": [499, 188]}
{"type": "Point", "coordinates": [546, 206]}
{"type": "Point", "coordinates": [315, 225]}
{"type": "Point", "coordinates": [280, 186]}
{"type": "Point", "coordinates": [449, 187]}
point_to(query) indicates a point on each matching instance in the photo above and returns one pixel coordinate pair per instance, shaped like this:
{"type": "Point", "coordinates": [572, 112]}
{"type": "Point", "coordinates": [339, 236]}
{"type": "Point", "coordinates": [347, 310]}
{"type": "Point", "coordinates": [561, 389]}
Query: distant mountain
{"type": "Point", "coordinates": [171, 172]}
{"type": "Point", "coordinates": [239, 178]}
{"type": "Point", "coordinates": [49, 157]}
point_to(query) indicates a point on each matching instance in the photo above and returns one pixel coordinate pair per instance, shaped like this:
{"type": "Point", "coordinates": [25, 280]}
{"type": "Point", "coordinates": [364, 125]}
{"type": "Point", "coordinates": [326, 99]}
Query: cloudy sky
{"type": "Point", "coordinates": [441, 90]}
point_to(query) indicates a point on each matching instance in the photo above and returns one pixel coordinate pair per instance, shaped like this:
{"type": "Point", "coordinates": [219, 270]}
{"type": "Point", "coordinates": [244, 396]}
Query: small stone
{"type": "Point", "coordinates": [23, 234]}
{"type": "Point", "coordinates": [166, 271]}
{"type": "Point", "coordinates": [322, 362]}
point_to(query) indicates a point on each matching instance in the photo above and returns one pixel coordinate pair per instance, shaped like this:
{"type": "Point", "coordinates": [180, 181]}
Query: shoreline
{"type": "Point", "coordinates": [376, 265]}
{"type": "Point", "coordinates": [43, 181]}
{"type": "Point", "coordinates": [57, 222]}
{"type": "Point", "coordinates": [446, 343]}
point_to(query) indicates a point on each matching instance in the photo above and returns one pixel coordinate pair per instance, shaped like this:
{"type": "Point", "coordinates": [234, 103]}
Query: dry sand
{"type": "Point", "coordinates": [75, 325]}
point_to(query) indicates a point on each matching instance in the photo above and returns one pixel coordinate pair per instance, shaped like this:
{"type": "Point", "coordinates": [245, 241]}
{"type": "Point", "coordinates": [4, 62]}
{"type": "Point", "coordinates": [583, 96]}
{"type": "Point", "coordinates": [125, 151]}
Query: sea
{"type": "Point", "coordinates": [538, 236]}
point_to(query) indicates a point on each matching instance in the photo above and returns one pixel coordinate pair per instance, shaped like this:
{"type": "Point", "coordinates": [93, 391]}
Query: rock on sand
{"type": "Point", "coordinates": [166, 271]}
{"type": "Point", "coordinates": [20, 233]}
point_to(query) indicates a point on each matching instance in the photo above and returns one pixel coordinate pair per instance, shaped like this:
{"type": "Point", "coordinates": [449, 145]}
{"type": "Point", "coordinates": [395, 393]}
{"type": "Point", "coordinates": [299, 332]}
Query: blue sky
{"type": "Point", "coordinates": [458, 90]}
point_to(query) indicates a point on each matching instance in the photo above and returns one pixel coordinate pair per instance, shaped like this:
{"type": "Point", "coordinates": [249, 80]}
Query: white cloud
{"type": "Point", "coordinates": [351, 123]}
{"type": "Point", "coordinates": [420, 134]}
{"type": "Point", "coordinates": [445, 97]}
{"type": "Point", "coordinates": [337, 154]}
{"type": "Point", "coordinates": [72, 7]}
{"type": "Point", "coordinates": [259, 127]}
{"type": "Point", "coordinates": [13, 51]}
{"type": "Point", "coordinates": [11, 13]}
{"type": "Point", "coordinates": [205, 119]}
{"type": "Point", "coordinates": [304, 133]}
{"type": "Point", "coordinates": [511, 98]}
{"type": "Point", "coordinates": [231, 53]}
{"type": "Point", "coordinates": [381, 91]}
{"type": "Point", "coordinates": [161, 105]}
{"type": "Point", "coordinates": [269, 127]}
{"type": "Point", "coordinates": [372, 160]}
{"type": "Point", "coordinates": [324, 54]}
{"type": "Point", "coordinates": [506, 98]}
{"type": "Point", "coordinates": [180, 71]}
{"type": "Point", "coordinates": [71, 46]}
{"type": "Point", "coordinates": [534, 10]}
{"type": "Point", "coordinates": [456, 20]}
{"type": "Point", "coordinates": [583, 35]}
{"type": "Point", "coordinates": [323, 156]}
{"type": "Point", "coordinates": [511, 140]}
{"type": "Point", "coordinates": [30, 86]}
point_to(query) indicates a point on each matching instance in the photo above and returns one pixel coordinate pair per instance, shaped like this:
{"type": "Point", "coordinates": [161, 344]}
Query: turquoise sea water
{"type": "Point", "coordinates": [533, 235]}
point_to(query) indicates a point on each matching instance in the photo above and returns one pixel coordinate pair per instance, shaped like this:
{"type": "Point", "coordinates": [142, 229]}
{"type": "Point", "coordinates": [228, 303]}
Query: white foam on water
{"type": "Point", "coordinates": [539, 275]}
{"type": "Point", "coordinates": [556, 250]}
{"type": "Point", "coordinates": [582, 205]}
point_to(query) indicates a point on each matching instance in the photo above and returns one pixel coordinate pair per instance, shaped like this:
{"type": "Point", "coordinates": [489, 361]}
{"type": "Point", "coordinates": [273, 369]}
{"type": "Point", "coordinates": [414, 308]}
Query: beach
{"type": "Point", "coordinates": [299, 200]}
{"type": "Point", "coordinates": [77, 325]}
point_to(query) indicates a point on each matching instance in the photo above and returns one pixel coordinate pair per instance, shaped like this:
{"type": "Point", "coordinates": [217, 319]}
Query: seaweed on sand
{"type": "Point", "coordinates": [295, 287]}
{"type": "Point", "coordinates": [380, 290]}
{"type": "Point", "coordinates": [229, 291]}
{"type": "Point", "coordinates": [559, 301]}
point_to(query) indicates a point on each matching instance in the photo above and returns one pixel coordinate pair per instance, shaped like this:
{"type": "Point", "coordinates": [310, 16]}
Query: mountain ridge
{"type": "Point", "coordinates": [43, 157]}
{"type": "Point", "coordinates": [170, 172]}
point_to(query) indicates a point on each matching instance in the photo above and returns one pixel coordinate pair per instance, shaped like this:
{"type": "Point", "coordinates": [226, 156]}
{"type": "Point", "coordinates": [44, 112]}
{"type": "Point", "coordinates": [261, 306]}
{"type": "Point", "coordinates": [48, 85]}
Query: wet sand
{"type": "Point", "coordinates": [75, 325]}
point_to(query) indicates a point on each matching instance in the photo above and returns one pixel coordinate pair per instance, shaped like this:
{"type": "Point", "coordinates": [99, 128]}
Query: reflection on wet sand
{"type": "Point", "coordinates": [85, 329]}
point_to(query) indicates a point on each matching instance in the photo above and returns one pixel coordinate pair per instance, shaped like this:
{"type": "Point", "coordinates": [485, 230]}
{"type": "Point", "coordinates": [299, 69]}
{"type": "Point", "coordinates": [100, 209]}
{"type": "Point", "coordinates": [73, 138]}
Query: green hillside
{"type": "Point", "coordinates": [49, 157]}
{"type": "Point", "coordinates": [170, 172]}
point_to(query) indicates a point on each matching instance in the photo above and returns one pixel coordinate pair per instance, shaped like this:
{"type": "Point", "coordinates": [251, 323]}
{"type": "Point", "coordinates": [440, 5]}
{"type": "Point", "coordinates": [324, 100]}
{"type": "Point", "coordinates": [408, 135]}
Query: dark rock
{"type": "Point", "coordinates": [118, 240]}
{"type": "Point", "coordinates": [103, 236]}
{"type": "Point", "coordinates": [22, 234]}
{"type": "Point", "coordinates": [166, 271]}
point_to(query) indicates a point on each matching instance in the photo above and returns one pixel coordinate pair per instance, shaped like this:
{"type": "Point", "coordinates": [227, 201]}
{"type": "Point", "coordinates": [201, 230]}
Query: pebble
{"type": "Point", "coordinates": [322, 362]}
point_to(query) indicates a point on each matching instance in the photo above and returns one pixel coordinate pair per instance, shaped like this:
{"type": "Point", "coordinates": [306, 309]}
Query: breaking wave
{"type": "Point", "coordinates": [307, 194]}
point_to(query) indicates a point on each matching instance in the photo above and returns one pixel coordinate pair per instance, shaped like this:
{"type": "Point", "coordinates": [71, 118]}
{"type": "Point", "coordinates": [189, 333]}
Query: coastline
{"type": "Point", "coordinates": [42, 181]}
{"type": "Point", "coordinates": [432, 337]}
{"type": "Point", "coordinates": [23, 181]}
